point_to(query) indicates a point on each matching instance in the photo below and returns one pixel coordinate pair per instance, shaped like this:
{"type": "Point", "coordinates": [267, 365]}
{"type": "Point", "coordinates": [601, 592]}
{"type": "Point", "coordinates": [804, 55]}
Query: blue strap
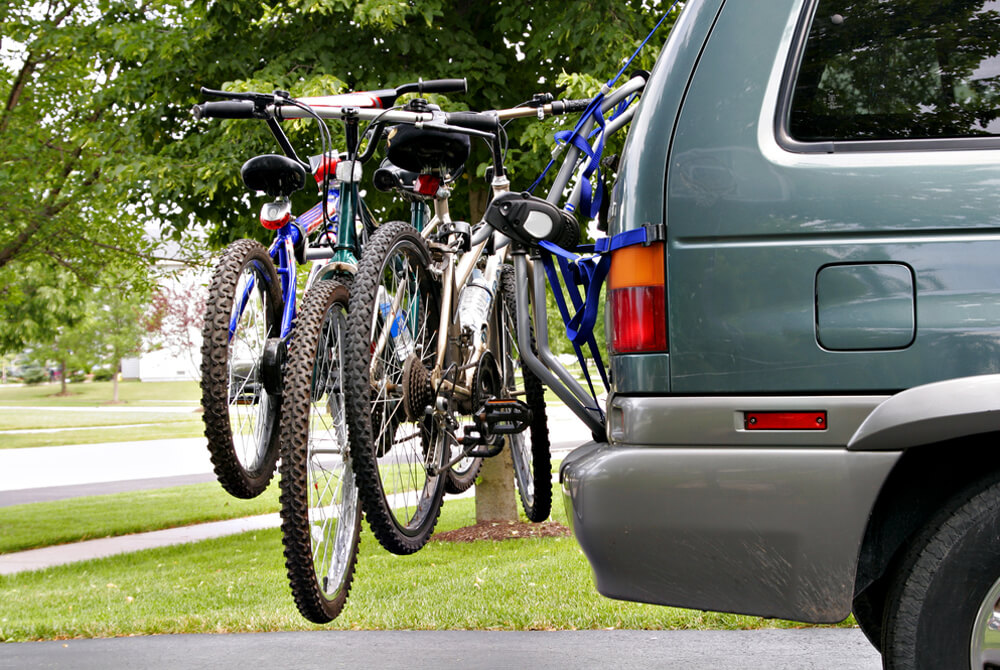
{"type": "Point", "coordinates": [576, 339]}
{"type": "Point", "coordinates": [626, 239]}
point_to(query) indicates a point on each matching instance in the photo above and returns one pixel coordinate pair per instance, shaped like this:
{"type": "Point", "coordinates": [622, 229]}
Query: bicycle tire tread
{"type": "Point", "coordinates": [214, 373]}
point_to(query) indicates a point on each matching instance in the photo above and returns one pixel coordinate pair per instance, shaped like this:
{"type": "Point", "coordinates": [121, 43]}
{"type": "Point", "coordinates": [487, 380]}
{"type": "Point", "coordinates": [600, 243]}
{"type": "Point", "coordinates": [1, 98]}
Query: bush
{"type": "Point", "coordinates": [32, 376]}
{"type": "Point", "coordinates": [103, 375]}
{"type": "Point", "coordinates": [77, 376]}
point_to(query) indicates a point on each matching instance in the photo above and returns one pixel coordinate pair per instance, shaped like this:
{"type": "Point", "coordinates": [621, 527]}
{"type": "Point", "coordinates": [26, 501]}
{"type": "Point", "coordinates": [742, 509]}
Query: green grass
{"type": "Point", "coordinates": [49, 523]}
{"type": "Point", "coordinates": [100, 393]}
{"type": "Point", "coordinates": [181, 429]}
{"type": "Point", "coordinates": [238, 584]}
{"type": "Point", "coordinates": [103, 426]}
{"type": "Point", "coordinates": [18, 419]}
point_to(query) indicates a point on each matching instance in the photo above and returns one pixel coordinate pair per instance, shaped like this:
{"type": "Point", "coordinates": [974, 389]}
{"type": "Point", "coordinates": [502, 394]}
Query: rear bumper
{"type": "Point", "coordinates": [763, 531]}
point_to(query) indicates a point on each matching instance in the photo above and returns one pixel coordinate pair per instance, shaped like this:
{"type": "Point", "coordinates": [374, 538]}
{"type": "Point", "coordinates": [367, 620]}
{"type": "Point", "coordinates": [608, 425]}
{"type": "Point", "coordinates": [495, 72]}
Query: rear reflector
{"type": "Point", "coordinates": [784, 420]}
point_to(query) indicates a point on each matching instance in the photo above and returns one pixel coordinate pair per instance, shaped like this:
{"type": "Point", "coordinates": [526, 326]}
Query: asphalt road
{"type": "Point", "coordinates": [811, 649]}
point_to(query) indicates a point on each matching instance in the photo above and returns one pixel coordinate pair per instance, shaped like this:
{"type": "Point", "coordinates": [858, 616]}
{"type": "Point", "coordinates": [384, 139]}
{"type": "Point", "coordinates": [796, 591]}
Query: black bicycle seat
{"type": "Point", "coordinates": [273, 174]}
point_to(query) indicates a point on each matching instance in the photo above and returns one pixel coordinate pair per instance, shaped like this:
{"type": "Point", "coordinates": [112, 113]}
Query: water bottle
{"type": "Point", "coordinates": [475, 302]}
{"type": "Point", "coordinates": [399, 330]}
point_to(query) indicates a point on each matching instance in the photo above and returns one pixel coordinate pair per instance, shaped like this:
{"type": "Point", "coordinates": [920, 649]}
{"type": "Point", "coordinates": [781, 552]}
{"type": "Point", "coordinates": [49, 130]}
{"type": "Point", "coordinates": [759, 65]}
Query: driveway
{"type": "Point", "coordinates": [810, 649]}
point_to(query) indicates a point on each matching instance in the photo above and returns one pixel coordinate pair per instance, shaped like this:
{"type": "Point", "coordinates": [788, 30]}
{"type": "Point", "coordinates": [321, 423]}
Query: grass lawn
{"type": "Point", "coordinates": [100, 393]}
{"type": "Point", "coordinates": [96, 426]}
{"type": "Point", "coordinates": [154, 431]}
{"type": "Point", "coordinates": [19, 419]}
{"type": "Point", "coordinates": [238, 584]}
{"type": "Point", "coordinates": [61, 521]}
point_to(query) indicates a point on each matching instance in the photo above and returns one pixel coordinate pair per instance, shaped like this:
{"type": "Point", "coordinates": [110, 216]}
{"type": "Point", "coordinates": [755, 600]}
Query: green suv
{"type": "Point", "coordinates": [805, 409]}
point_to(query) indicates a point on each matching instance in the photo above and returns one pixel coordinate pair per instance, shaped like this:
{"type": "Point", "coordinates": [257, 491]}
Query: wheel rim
{"type": "Point", "coordinates": [404, 448]}
{"type": "Point", "coordinates": [985, 647]}
{"type": "Point", "coordinates": [333, 499]}
{"type": "Point", "coordinates": [249, 404]}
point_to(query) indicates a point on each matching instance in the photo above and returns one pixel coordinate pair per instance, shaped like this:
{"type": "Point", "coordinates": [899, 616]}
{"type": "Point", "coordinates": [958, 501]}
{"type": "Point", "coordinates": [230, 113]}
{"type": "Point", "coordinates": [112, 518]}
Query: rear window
{"type": "Point", "coordinates": [886, 70]}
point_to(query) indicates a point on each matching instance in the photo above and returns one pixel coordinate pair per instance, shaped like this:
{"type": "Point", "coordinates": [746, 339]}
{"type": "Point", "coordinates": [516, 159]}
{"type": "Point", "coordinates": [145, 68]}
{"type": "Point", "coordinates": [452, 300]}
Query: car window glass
{"type": "Point", "coordinates": [878, 69]}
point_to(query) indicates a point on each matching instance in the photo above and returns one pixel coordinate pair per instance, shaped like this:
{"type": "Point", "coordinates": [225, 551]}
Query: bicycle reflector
{"type": "Point", "coordinates": [636, 297]}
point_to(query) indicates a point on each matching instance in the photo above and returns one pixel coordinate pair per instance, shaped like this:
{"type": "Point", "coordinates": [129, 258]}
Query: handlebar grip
{"type": "Point", "coordinates": [570, 106]}
{"type": "Point", "coordinates": [224, 110]}
{"type": "Point", "coordinates": [484, 121]}
{"type": "Point", "coordinates": [444, 86]}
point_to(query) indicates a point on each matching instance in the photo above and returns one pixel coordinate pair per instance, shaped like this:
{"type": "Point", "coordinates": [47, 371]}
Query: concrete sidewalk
{"type": "Point", "coordinates": [46, 557]}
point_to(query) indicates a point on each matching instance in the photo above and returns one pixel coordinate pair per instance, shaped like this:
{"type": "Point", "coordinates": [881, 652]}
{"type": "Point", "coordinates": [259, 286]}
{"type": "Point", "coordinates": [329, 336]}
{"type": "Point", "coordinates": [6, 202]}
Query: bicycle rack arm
{"type": "Point", "coordinates": [613, 127]}
{"type": "Point", "coordinates": [568, 167]}
{"type": "Point", "coordinates": [563, 385]}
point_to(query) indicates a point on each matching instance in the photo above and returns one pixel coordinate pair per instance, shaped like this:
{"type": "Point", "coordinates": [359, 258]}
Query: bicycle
{"type": "Point", "coordinates": [428, 349]}
{"type": "Point", "coordinates": [298, 359]}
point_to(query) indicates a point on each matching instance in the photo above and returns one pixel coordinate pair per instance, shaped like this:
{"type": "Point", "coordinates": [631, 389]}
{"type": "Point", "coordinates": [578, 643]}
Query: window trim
{"type": "Point", "coordinates": [782, 115]}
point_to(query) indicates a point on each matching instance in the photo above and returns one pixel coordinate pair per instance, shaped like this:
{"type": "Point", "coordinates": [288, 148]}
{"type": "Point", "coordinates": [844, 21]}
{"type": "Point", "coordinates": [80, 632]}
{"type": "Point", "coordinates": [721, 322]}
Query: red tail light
{"type": "Point", "coordinates": [636, 297]}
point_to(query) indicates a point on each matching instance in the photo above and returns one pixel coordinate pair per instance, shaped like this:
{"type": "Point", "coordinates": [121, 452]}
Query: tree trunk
{"type": "Point", "coordinates": [62, 377]}
{"type": "Point", "coordinates": [495, 500]}
{"type": "Point", "coordinates": [495, 489]}
{"type": "Point", "coordinates": [114, 381]}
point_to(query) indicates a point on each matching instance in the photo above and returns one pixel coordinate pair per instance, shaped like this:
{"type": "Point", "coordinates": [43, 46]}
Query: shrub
{"type": "Point", "coordinates": [103, 375]}
{"type": "Point", "coordinates": [34, 376]}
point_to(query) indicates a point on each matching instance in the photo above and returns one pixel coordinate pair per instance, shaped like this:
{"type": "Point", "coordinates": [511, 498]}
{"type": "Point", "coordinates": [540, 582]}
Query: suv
{"type": "Point", "coordinates": [805, 409]}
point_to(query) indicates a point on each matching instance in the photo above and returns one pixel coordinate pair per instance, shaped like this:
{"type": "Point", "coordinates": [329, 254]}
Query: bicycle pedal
{"type": "Point", "coordinates": [505, 416]}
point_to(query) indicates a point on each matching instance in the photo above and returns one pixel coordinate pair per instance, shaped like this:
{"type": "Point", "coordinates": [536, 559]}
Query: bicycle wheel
{"type": "Point", "coordinates": [241, 417]}
{"type": "Point", "coordinates": [396, 446]}
{"type": "Point", "coordinates": [529, 448]}
{"type": "Point", "coordinates": [320, 516]}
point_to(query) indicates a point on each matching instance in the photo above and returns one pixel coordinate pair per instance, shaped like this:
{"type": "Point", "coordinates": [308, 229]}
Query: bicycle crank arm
{"type": "Point", "coordinates": [504, 416]}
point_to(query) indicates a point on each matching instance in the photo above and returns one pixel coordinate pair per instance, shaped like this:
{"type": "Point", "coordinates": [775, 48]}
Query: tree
{"type": "Point", "coordinates": [311, 47]}
{"type": "Point", "coordinates": [71, 86]}
{"type": "Point", "coordinates": [104, 324]}
{"type": "Point", "coordinates": [175, 317]}
{"type": "Point", "coordinates": [38, 303]}
{"type": "Point", "coordinates": [119, 325]}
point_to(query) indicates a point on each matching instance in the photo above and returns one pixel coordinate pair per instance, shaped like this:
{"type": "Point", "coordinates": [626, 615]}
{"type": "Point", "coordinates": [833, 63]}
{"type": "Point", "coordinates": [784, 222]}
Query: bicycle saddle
{"type": "Point", "coordinates": [427, 151]}
{"type": "Point", "coordinates": [273, 174]}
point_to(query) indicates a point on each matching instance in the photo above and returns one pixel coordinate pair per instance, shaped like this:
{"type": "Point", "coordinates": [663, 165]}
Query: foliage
{"type": "Point", "coordinates": [36, 302]}
{"type": "Point", "coordinates": [103, 324]}
{"type": "Point", "coordinates": [565, 47]}
{"type": "Point", "coordinates": [77, 109]}
{"type": "Point", "coordinates": [34, 375]}
{"type": "Point", "coordinates": [103, 374]}
{"type": "Point", "coordinates": [175, 316]}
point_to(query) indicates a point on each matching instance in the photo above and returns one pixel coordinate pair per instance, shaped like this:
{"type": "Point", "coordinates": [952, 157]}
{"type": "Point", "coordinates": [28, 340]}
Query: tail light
{"type": "Point", "coordinates": [637, 300]}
